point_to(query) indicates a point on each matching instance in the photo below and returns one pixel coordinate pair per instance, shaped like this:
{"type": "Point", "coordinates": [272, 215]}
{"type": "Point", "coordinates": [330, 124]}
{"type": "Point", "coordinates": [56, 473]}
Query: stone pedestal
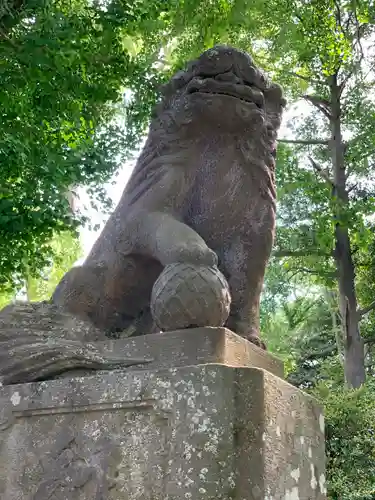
{"type": "Point", "coordinates": [216, 431]}
{"type": "Point", "coordinates": [193, 347]}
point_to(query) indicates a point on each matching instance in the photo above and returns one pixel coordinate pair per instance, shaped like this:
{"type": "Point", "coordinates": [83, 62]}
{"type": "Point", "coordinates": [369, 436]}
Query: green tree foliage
{"type": "Point", "coordinates": [61, 70]}
{"type": "Point", "coordinates": [350, 441]}
{"type": "Point", "coordinates": [64, 66]}
{"type": "Point", "coordinates": [302, 330]}
{"type": "Point", "coordinates": [325, 195]}
{"type": "Point", "coordinates": [66, 251]}
{"type": "Point", "coordinates": [365, 279]}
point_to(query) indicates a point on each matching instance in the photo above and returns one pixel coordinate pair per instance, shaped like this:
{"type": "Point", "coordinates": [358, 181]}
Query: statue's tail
{"type": "Point", "coordinates": [38, 342]}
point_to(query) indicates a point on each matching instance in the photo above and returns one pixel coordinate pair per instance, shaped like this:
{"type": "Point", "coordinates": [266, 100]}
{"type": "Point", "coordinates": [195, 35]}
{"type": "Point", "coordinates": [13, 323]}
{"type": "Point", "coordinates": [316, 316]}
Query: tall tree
{"type": "Point", "coordinates": [322, 44]}
{"type": "Point", "coordinates": [64, 68]}
{"type": "Point", "coordinates": [321, 50]}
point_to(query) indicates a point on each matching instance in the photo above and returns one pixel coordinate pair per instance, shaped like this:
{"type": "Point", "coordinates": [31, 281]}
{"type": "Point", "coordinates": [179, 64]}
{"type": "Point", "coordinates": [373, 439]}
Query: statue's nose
{"type": "Point", "coordinates": [228, 76]}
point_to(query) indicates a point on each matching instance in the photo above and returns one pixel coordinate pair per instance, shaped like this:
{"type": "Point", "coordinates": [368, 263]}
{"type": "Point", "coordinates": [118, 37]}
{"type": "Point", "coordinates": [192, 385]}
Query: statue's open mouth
{"type": "Point", "coordinates": [245, 93]}
{"type": "Point", "coordinates": [233, 95]}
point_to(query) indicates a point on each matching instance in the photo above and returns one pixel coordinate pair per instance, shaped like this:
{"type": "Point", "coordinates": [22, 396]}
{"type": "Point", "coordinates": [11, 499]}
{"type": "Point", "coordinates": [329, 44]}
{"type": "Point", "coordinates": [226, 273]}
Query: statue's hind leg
{"type": "Point", "coordinates": [114, 297]}
{"type": "Point", "coordinates": [243, 263]}
{"type": "Point", "coordinates": [113, 287]}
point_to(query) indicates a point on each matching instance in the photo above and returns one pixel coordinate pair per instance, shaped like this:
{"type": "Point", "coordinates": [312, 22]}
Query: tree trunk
{"type": "Point", "coordinates": [72, 199]}
{"type": "Point", "coordinates": [354, 365]}
{"type": "Point", "coordinates": [331, 298]}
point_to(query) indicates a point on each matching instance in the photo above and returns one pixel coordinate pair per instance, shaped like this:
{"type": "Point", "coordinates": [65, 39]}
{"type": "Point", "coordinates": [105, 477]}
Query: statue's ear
{"type": "Point", "coordinates": [176, 83]}
{"type": "Point", "coordinates": [274, 96]}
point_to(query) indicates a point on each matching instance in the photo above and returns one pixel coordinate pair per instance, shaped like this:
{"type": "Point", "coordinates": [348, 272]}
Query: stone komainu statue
{"type": "Point", "coordinates": [202, 193]}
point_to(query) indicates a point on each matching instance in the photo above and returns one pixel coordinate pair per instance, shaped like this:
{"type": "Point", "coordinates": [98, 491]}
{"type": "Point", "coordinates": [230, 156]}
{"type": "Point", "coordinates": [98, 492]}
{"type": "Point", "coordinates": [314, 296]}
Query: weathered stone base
{"type": "Point", "coordinates": [209, 432]}
{"type": "Point", "coordinates": [194, 346]}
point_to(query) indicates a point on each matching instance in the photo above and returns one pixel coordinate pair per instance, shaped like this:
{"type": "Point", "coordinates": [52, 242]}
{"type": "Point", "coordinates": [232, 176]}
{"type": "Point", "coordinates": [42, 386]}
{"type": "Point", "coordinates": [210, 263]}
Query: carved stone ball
{"type": "Point", "coordinates": [187, 295]}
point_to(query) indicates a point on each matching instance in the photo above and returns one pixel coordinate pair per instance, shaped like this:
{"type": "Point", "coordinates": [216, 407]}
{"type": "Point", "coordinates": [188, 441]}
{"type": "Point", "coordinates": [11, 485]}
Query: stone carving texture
{"type": "Point", "coordinates": [72, 457]}
{"type": "Point", "coordinates": [204, 432]}
{"type": "Point", "coordinates": [202, 193]}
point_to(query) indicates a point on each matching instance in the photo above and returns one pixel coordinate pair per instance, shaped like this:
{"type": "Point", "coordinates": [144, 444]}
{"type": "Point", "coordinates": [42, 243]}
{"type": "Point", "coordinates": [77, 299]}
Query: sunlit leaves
{"type": "Point", "coordinates": [66, 251]}
{"type": "Point", "coordinates": [350, 441]}
{"type": "Point", "coordinates": [61, 72]}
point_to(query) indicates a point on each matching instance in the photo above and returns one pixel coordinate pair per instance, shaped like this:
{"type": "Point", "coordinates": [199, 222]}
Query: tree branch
{"type": "Point", "coordinates": [366, 310]}
{"type": "Point", "coordinates": [359, 28]}
{"type": "Point", "coordinates": [301, 253]}
{"type": "Point", "coordinates": [321, 104]}
{"type": "Point", "coordinates": [348, 21]}
{"type": "Point", "coordinates": [323, 173]}
{"type": "Point", "coordinates": [305, 78]}
{"type": "Point", "coordinates": [327, 274]}
{"type": "Point", "coordinates": [359, 32]}
{"type": "Point", "coordinates": [352, 188]}
{"type": "Point", "coordinates": [300, 270]}
{"type": "Point", "coordinates": [345, 81]}
{"type": "Point", "coordinates": [315, 99]}
{"type": "Point", "coordinates": [306, 142]}
{"type": "Point", "coordinates": [338, 14]}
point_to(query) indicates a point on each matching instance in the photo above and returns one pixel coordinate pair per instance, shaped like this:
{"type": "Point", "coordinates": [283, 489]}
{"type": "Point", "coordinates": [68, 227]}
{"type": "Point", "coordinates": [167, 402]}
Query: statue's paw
{"type": "Point", "coordinates": [255, 339]}
{"type": "Point", "coordinates": [196, 254]}
{"type": "Point", "coordinates": [248, 333]}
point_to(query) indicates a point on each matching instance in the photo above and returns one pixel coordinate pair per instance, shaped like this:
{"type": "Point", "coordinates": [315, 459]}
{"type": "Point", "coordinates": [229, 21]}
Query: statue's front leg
{"type": "Point", "coordinates": [113, 287]}
{"type": "Point", "coordinates": [152, 223]}
{"type": "Point", "coordinates": [161, 236]}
